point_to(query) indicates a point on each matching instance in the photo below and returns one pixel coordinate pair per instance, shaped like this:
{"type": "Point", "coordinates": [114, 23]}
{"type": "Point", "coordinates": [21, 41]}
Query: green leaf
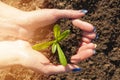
{"type": "Point", "coordinates": [56, 30]}
{"type": "Point", "coordinates": [62, 57]}
{"type": "Point", "coordinates": [42, 46]}
{"type": "Point", "coordinates": [63, 35]}
{"type": "Point", "coordinates": [54, 47]}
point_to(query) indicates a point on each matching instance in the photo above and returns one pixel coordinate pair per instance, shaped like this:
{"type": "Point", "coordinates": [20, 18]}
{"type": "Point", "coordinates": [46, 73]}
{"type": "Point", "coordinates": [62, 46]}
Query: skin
{"type": "Point", "coordinates": [19, 24]}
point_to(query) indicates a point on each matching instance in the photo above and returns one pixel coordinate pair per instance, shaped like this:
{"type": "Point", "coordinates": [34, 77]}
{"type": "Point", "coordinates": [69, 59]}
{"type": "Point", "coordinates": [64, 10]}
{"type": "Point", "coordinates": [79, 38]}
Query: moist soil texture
{"type": "Point", "coordinates": [104, 65]}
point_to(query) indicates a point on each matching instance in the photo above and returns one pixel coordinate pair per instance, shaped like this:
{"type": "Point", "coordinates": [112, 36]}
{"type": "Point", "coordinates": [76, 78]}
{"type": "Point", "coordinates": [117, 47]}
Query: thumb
{"type": "Point", "coordinates": [54, 69]}
{"type": "Point", "coordinates": [39, 63]}
{"type": "Point", "coordinates": [70, 13]}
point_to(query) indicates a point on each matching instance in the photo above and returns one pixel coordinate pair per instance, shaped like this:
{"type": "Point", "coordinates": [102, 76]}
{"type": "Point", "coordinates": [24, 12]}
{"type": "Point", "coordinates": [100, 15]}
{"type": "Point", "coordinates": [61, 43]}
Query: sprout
{"type": "Point", "coordinates": [55, 44]}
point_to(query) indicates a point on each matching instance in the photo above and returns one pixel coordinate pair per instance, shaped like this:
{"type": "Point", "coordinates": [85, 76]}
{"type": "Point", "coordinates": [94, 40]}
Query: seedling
{"type": "Point", "coordinates": [58, 36]}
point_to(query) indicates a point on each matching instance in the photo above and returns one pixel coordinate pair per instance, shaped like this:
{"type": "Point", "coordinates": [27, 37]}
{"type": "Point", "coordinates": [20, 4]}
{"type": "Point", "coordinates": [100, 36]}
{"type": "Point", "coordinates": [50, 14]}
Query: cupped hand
{"type": "Point", "coordinates": [20, 52]}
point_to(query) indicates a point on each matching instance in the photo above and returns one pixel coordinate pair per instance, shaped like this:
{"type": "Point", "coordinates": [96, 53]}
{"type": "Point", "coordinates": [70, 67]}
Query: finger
{"type": "Point", "coordinates": [89, 35]}
{"type": "Point", "coordinates": [87, 46]}
{"type": "Point", "coordinates": [82, 55]}
{"type": "Point", "coordinates": [86, 40]}
{"type": "Point", "coordinates": [84, 52]}
{"type": "Point", "coordinates": [83, 25]}
{"type": "Point", "coordinates": [69, 13]}
{"type": "Point", "coordinates": [54, 69]}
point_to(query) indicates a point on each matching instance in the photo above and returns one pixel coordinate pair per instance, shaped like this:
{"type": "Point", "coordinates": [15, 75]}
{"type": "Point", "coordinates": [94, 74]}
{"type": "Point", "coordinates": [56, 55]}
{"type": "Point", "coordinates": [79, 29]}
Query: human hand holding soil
{"type": "Point", "coordinates": [21, 25]}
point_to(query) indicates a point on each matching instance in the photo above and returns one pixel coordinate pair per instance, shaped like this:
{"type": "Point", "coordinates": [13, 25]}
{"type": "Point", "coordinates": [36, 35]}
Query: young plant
{"type": "Point", "coordinates": [58, 36]}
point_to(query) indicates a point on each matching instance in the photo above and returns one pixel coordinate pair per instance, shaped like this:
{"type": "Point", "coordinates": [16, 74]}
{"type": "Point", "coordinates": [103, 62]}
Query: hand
{"type": "Point", "coordinates": [21, 25]}
{"type": "Point", "coordinates": [20, 52]}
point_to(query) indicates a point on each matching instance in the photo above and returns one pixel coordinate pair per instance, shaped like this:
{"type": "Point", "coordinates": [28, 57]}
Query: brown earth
{"type": "Point", "coordinates": [104, 15]}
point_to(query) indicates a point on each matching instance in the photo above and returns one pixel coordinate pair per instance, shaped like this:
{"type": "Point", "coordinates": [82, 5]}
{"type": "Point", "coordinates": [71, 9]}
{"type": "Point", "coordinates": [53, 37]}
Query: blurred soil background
{"type": "Point", "coordinates": [104, 15]}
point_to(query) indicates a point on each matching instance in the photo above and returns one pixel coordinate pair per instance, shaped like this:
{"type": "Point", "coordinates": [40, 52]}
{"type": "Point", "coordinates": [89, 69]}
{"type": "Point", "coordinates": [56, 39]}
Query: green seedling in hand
{"type": "Point", "coordinates": [55, 44]}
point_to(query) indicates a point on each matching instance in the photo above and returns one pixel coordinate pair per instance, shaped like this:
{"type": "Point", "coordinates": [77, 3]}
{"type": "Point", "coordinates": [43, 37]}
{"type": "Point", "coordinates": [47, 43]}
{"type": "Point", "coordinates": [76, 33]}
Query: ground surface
{"type": "Point", "coordinates": [104, 15]}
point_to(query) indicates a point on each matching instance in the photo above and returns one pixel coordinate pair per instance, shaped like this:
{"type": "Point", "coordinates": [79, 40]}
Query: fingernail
{"type": "Point", "coordinates": [76, 70]}
{"type": "Point", "coordinates": [95, 45]}
{"type": "Point", "coordinates": [96, 36]}
{"type": "Point", "coordinates": [94, 52]}
{"type": "Point", "coordinates": [94, 29]}
{"type": "Point", "coordinates": [84, 11]}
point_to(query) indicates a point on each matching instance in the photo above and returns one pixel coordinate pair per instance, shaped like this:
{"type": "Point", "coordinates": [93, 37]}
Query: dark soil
{"type": "Point", "coordinates": [105, 16]}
